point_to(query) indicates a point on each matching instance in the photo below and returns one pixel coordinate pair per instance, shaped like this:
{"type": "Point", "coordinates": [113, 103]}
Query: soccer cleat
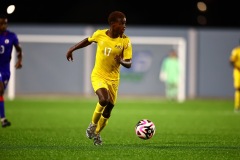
{"type": "Point", "coordinates": [5, 123]}
{"type": "Point", "coordinates": [90, 130]}
{"type": "Point", "coordinates": [97, 140]}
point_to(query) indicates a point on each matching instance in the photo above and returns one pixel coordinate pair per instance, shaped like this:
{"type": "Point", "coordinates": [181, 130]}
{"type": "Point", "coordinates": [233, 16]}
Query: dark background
{"type": "Point", "coordinates": [220, 13]}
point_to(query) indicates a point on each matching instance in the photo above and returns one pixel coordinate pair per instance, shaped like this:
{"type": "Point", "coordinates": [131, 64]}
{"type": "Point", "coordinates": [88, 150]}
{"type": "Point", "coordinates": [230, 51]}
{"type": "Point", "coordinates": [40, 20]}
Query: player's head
{"type": "Point", "coordinates": [3, 22]}
{"type": "Point", "coordinates": [173, 53]}
{"type": "Point", "coordinates": [115, 16]}
{"type": "Point", "coordinates": [117, 22]}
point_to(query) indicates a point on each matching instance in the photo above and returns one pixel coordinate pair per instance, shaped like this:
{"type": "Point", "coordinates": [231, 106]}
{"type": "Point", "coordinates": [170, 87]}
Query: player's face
{"type": "Point", "coordinates": [3, 24]}
{"type": "Point", "coordinates": [120, 26]}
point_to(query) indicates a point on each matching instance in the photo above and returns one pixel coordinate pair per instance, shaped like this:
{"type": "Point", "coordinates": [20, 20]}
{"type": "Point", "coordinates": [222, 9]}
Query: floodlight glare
{"type": "Point", "coordinates": [10, 9]}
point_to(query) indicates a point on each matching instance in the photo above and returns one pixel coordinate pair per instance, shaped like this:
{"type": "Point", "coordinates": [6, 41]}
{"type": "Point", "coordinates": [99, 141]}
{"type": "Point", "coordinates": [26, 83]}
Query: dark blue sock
{"type": "Point", "coordinates": [2, 111]}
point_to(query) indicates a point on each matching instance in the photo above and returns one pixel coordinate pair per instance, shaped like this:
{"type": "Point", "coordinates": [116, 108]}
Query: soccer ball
{"type": "Point", "coordinates": [145, 129]}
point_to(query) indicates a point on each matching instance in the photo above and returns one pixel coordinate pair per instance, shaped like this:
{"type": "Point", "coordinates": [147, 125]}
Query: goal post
{"type": "Point", "coordinates": [179, 42]}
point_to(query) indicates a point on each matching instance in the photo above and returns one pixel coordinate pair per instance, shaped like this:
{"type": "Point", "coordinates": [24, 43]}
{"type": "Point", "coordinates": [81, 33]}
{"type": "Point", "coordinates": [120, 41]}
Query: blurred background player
{"type": "Point", "coordinates": [113, 50]}
{"type": "Point", "coordinates": [169, 74]}
{"type": "Point", "coordinates": [8, 39]}
{"type": "Point", "coordinates": [235, 63]}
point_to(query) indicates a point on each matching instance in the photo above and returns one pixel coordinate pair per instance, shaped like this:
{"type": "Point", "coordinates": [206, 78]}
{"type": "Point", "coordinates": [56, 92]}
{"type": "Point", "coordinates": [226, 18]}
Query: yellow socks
{"type": "Point", "coordinates": [97, 113]}
{"type": "Point", "coordinates": [237, 99]}
{"type": "Point", "coordinates": [98, 119]}
{"type": "Point", "coordinates": [101, 124]}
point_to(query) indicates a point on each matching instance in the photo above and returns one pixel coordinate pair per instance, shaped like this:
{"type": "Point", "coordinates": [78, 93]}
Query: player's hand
{"type": "Point", "coordinates": [69, 56]}
{"type": "Point", "coordinates": [18, 65]}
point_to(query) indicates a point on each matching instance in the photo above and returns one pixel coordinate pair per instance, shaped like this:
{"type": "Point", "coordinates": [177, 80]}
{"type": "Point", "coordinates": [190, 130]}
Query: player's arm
{"type": "Point", "coordinates": [124, 62]}
{"type": "Point", "coordinates": [127, 54]}
{"type": "Point", "coordinates": [79, 45]}
{"type": "Point", "coordinates": [18, 64]}
{"type": "Point", "coordinates": [233, 64]}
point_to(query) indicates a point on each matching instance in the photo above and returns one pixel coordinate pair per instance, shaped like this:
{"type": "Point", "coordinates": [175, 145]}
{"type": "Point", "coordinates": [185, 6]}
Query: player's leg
{"type": "Point", "coordinates": [102, 123]}
{"type": "Point", "coordinates": [97, 113]}
{"type": "Point", "coordinates": [93, 125]}
{"type": "Point", "coordinates": [171, 91]}
{"type": "Point", "coordinates": [90, 132]}
{"type": "Point", "coordinates": [112, 91]}
{"type": "Point", "coordinates": [103, 100]}
{"type": "Point", "coordinates": [174, 91]}
{"type": "Point", "coordinates": [103, 97]}
{"type": "Point", "coordinates": [168, 90]}
{"type": "Point", "coordinates": [104, 117]}
{"type": "Point", "coordinates": [2, 111]}
{"type": "Point", "coordinates": [100, 88]}
{"type": "Point", "coordinates": [237, 90]}
{"type": "Point", "coordinates": [4, 121]}
{"type": "Point", "coordinates": [237, 100]}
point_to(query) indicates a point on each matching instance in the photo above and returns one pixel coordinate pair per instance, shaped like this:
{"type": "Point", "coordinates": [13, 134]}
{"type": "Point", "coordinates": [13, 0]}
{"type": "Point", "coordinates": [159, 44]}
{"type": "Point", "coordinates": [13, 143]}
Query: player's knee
{"type": "Point", "coordinates": [107, 111]}
{"type": "Point", "coordinates": [103, 101]}
{"type": "Point", "coordinates": [106, 114]}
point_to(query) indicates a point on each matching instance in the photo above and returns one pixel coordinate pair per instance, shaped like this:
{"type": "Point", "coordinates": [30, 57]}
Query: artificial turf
{"type": "Point", "coordinates": [54, 129]}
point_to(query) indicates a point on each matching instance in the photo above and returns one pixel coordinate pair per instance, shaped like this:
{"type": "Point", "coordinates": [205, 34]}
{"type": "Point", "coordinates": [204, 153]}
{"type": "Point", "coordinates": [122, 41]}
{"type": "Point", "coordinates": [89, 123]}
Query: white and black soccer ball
{"type": "Point", "coordinates": [145, 129]}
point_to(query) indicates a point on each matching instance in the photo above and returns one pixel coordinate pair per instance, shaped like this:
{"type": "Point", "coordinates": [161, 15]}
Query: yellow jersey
{"type": "Point", "coordinates": [107, 48]}
{"type": "Point", "coordinates": [235, 56]}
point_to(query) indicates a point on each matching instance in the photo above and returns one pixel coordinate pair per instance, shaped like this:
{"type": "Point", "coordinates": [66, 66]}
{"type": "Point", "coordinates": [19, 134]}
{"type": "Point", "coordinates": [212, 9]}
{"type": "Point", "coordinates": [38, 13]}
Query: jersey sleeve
{"type": "Point", "coordinates": [127, 52]}
{"type": "Point", "coordinates": [94, 36]}
{"type": "Point", "coordinates": [15, 39]}
{"type": "Point", "coordinates": [235, 57]}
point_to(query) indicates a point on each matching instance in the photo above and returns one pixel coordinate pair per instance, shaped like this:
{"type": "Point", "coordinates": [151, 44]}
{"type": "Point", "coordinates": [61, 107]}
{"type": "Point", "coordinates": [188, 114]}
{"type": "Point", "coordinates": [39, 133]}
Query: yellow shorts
{"type": "Point", "coordinates": [236, 78]}
{"type": "Point", "coordinates": [110, 85]}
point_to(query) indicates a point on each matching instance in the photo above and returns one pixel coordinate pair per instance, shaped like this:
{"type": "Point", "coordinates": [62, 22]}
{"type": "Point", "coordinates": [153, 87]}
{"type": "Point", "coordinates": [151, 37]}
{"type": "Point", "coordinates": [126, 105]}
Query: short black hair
{"type": "Point", "coordinates": [113, 16]}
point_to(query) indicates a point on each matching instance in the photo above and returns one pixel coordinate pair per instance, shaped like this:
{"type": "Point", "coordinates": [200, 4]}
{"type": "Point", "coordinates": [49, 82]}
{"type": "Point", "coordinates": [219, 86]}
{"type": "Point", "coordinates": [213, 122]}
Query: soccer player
{"type": "Point", "coordinates": [235, 63]}
{"type": "Point", "coordinates": [169, 74]}
{"type": "Point", "coordinates": [114, 49]}
{"type": "Point", "coordinates": [8, 40]}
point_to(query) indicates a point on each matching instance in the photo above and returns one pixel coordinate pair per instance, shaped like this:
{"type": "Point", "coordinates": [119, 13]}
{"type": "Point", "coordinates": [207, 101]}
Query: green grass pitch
{"type": "Point", "coordinates": [54, 129]}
